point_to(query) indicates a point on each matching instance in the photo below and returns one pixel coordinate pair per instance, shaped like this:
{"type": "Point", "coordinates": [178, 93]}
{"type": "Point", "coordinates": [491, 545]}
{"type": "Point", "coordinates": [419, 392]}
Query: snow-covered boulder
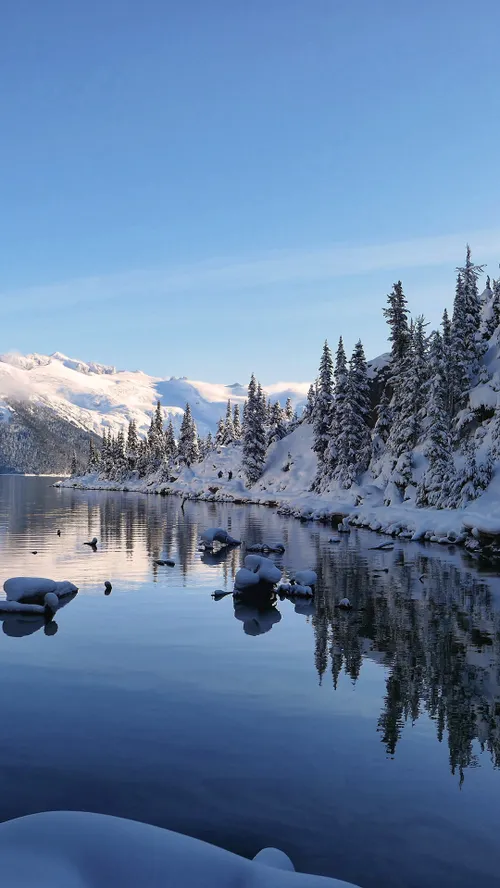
{"type": "Point", "coordinates": [218, 535]}
{"type": "Point", "coordinates": [265, 569]}
{"type": "Point", "coordinates": [68, 849]}
{"type": "Point", "coordinates": [21, 588]}
{"type": "Point", "coordinates": [306, 577]}
{"type": "Point", "coordinates": [245, 578]}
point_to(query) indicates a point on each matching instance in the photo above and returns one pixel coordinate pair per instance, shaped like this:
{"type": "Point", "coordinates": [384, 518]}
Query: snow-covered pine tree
{"type": "Point", "coordinates": [447, 368]}
{"type": "Point", "coordinates": [407, 405]}
{"type": "Point", "coordinates": [156, 440]}
{"type": "Point", "coordinates": [93, 458]}
{"type": "Point", "coordinates": [170, 445]}
{"type": "Point", "coordinates": [220, 434]}
{"type": "Point", "coordinates": [382, 428]}
{"type": "Point", "coordinates": [278, 425]}
{"type": "Point", "coordinates": [74, 465]}
{"type": "Point", "coordinates": [323, 411]}
{"type": "Point", "coordinates": [289, 411]}
{"type": "Point", "coordinates": [209, 444]}
{"type": "Point", "coordinates": [435, 486]}
{"type": "Point", "coordinates": [470, 482]}
{"type": "Point", "coordinates": [229, 433]}
{"type": "Point", "coordinates": [119, 459]}
{"type": "Point", "coordinates": [237, 423]}
{"type": "Point", "coordinates": [496, 303]}
{"type": "Point", "coordinates": [254, 433]}
{"type": "Point", "coordinates": [143, 458]}
{"type": "Point", "coordinates": [467, 348]}
{"type": "Point", "coordinates": [341, 374]}
{"type": "Point", "coordinates": [268, 410]}
{"type": "Point", "coordinates": [132, 446]}
{"type": "Point", "coordinates": [354, 436]}
{"type": "Point", "coordinates": [396, 315]}
{"type": "Point", "coordinates": [188, 439]}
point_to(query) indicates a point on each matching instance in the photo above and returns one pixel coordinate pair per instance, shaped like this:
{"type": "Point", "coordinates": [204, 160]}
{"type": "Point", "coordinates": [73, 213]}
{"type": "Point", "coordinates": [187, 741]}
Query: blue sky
{"type": "Point", "coordinates": [211, 188]}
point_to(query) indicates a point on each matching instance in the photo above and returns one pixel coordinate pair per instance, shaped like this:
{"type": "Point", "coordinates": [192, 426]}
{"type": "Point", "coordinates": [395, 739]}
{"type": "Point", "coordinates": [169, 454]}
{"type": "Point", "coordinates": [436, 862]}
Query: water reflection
{"type": "Point", "coordinates": [423, 615]}
{"type": "Point", "coordinates": [17, 625]}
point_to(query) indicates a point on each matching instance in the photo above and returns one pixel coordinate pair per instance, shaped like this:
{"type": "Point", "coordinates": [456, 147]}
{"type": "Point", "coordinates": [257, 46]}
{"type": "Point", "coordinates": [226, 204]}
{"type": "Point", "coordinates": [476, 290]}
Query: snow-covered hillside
{"type": "Point", "coordinates": [94, 396]}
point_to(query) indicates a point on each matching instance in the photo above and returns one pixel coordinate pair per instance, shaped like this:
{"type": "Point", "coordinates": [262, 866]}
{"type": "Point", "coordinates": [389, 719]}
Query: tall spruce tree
{"type": "Point", "coordinates": [311, 400]}
{"type": "Point", "coordinates": [435, 486]}
{"type": "Point", "coordinates": [229, 433]}
{"type": "Point", "coordinates": [353, 442]}
{"type": "Point", "coordinates": [467, 347]}
{"type": "Point", "coordinates": [396, 315]}
{"type": "Point", "coordinates": [188, 439]}
{"type": "Point", "coordinates": [289, 411]}
{"type": "Point", "coordinates": [170, 445]}
{"type": "Point", "coordinates": [132, 446]}
{"type": "Point", "coordinates": [278, 425]}
{"type": "Point", "coordinates": [237, 423]}
{"type": "Point", "coordinates": [341, 375]}
{"type": "Point", "coordinates": [323, 412]}
{"type": "Point", "coordinates": [221, 433]}
{"type": "Point", "coordinates": [254, 433]}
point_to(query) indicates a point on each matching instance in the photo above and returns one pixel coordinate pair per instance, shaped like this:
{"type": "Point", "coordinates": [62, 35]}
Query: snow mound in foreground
{"type": "Point", "coordinates": [68, 849]}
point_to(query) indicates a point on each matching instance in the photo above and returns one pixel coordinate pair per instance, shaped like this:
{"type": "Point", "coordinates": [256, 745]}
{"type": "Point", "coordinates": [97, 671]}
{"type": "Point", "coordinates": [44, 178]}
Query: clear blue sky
{"type": "Point", "coordinates": [211, 187]}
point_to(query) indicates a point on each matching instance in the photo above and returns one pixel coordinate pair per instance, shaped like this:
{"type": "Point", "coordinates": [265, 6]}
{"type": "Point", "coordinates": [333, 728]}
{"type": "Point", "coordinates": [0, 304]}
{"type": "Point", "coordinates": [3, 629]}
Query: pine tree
{"type": "Point", "coordinates": [496, 304]}
{"type": "Point", "coordinates": [132, 446]}
{"type": "Point", "coordinates": [209, 444]}
{"type": "Point", "coordinates": [289, 411]}
{"type": "Point", "coordinates": [268, 411]}
{"type": "Point", "coordinates": [170, 445]}
{"type": "Point", "coordinates": [311, 400]}
{"type": "Point", "coordinates": [396, 315]}
{"type": "Point", "coordinates": [447, 369]}
{"type": "Point", "coordinates": [188, 439]}
{"type": "Point", "coordinates": [254, 433]}
{"type": "Point", "coordinates": [74, 465]}
{"type": "Point", "coordinates": [472, 479]}
{"type": "Point", "coordinates": [229, 433]}
{"type": "Point", "coordinates": [277, 427]}
{"type": "Point", "coordinates": [237, 423]}
{"type": "Point", "coordinates": [467, 348]}
{"type": "Point", "coordinates": [353, 442]}
{"type": "Point", "coordinates": [93, 458]}
{"type": "Point", "coordinates": [383, 424]}
{"type": "Point", "coordinates": [323, 412]}
{"type": "Point", "coordinates": [435, 487]}
{"type": "Point", "coordinates": [407, 406]}
{"type": "Point", "coordinates": [143, 458]}
{"type": "Point", "coordinates": [341, 374]}
{"type": "Point", "coordinates": [220, 434]}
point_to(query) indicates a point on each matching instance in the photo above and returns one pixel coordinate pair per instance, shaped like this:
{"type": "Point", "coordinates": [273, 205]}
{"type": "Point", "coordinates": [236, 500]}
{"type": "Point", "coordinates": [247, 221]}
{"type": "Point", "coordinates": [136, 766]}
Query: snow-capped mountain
{"type": "Point", "coordinates": [90, 397]}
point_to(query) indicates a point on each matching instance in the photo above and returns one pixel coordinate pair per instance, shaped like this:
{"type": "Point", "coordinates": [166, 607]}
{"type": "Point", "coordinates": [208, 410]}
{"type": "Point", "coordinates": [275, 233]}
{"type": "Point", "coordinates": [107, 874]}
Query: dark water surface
{"type": "Point", "coordinates": [365, 744]}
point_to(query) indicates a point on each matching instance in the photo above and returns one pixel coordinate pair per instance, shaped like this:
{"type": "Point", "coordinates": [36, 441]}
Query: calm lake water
{"type": "Point", "coordinates": [364, 744]}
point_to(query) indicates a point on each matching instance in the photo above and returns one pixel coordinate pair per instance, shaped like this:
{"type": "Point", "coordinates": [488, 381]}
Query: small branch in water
{"type": "Point", "coordinates": [382, 546]}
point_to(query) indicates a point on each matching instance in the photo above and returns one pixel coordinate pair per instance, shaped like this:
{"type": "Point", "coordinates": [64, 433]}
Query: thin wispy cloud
{"type": "Point", "coordinates": [236, 274]}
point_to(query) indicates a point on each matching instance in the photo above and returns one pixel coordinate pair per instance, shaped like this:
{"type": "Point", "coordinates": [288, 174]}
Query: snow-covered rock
{"type": "Point", "coordinates": [306, 577]}
{"type": "Point", "coordinates": [264, 568]}
{"type": "Point", "coordinates": [67, 849]}
{"type": "Point", "coordinates": [20, 588]}
{"type": "Point", "coordinates": [218, 535]}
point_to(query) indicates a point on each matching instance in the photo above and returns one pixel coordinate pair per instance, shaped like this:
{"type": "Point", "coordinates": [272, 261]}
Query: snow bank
{"type": "Point", "coordinates": [66, 849]}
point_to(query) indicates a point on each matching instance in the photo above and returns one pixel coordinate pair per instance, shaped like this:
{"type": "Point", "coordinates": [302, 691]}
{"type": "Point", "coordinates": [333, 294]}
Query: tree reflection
{"type": "Point", "coordinates": [439, 639]}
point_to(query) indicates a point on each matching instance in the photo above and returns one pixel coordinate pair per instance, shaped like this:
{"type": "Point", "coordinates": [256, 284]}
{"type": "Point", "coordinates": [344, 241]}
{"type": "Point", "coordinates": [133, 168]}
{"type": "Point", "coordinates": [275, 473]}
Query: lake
{"type": "Point", "coordinates": [364, 744]}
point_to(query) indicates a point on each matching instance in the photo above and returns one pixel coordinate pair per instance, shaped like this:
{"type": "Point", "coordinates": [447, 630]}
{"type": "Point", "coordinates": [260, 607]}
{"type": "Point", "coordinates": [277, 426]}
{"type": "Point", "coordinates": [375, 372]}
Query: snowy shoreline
{"type": "Point", "coordinates": [474, 528]}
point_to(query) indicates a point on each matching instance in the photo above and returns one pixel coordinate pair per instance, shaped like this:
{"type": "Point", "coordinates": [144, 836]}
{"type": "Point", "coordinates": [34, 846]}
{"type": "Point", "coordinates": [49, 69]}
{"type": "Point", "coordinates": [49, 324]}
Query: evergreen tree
{"type": "Point", "coordinates": [170, 445]}
{"type": "Point", "coordinates": [435, 487]}
{"type": "Point", "coordinates": [93, 458]}
{"type": "Point", "coordinates": [254, 434]}
{"type": "Point", "coordinates": [277, 427]}
{"type": "Point", "coordinates": [341, 374]}
{"type": "Point", "coordinates": [268, 411]}
{"type": "Point", "coordinates": [289, 411]}
{"type": "Point", "coordinates": [447, 368]}
{"type": "Point", "coordinates": [467, 348]}
{"type": "Point", "coordinates": [74, 465]}
{"type": "Point", "coordinates": [209, 444]}
{"type": "Point", "coordinates": [323, 412]}
{"type": "Point", "coordinates": [472, 479]}
{"type": "Point", "coordinates": [229, 433]}
{"type": "Point", "coordinates": [237, 423]}
{"type": "Point", "coordinates": [396, 315]}
{"type": "Point", "coordinates": [311, 400]}
{"type": "Point", "coordinates": [119, 460]}
{"type": "Point", "coordinates": [188, 439]}
{"type": "Point", "coordinates": [496, 304]}
{"type": "Point", "coordinates": [407, 406]}
{"type": "Point", "coordinates": [383, 424]}
{"type": "Point", "coordinates": [132, 447]}
{"type": "Point", "coordinates": [353, 442]}
{"type": "Point", "coordinates": [143, 458]}
{"type": "Point", "coordinates": [221, 433]}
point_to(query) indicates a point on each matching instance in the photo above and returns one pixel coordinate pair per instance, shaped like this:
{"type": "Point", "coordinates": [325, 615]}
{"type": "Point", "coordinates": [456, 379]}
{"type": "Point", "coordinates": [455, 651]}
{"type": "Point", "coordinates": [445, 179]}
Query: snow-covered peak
{"type": "Point", "coordinates": [82, 366]}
